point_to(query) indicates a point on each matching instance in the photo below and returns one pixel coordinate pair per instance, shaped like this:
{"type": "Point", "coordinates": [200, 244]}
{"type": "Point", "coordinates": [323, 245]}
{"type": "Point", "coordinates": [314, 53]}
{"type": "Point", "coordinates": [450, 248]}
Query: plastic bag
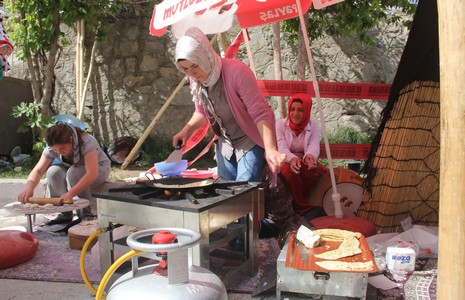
{"type": "Point", "coordinates": [425, 237]}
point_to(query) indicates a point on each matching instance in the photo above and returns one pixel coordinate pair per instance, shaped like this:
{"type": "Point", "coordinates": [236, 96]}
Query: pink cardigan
{"type": "Point", "coordinates": [245, 99]}
{"type": "Point", "coordinates": [311, 139]}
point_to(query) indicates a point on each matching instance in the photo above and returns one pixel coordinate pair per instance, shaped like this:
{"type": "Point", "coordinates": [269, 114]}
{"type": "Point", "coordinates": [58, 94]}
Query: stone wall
{"type": "Point", "coordinates": [134, 75]}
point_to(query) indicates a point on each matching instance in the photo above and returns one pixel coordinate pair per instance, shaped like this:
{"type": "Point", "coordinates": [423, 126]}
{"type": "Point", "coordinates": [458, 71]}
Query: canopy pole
{"type": "Point", "coordinates": [335, 197]}
{"type": "Point", "coordinates": [249, 50]}
{"type": "Point", "coordinates": [155, 120]}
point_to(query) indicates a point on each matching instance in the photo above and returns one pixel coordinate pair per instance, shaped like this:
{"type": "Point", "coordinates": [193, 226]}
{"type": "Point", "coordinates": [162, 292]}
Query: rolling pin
{"type": "Point", "coordinates": [54, 201]}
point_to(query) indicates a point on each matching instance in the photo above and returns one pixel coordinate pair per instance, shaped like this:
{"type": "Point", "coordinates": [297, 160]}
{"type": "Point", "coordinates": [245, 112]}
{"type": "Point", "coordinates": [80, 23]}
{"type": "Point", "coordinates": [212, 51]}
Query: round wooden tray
{"type": "Point", "coordinates": [18, 207]}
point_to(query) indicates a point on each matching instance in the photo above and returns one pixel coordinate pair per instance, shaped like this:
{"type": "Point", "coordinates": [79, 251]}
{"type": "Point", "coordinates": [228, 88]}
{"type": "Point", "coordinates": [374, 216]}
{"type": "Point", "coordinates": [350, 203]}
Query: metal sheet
{"type": "Point", "coordinates": [343, 284]}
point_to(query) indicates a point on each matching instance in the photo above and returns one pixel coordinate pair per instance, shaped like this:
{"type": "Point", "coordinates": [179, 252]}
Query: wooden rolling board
{"type": "Point", "coordinates": [293, 259]}
{"type": "Point", "coordinates": [18, 207]}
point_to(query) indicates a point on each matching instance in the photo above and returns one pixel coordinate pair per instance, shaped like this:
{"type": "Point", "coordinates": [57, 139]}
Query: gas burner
{"type": "Point", "coordinates": [189, 191]}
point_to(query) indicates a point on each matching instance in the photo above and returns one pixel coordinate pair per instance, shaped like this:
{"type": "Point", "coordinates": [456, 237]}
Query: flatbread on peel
{"type": "Point", "coordinates": [338, 253]}
{"type": "Point", "coordinates": [335, 234]}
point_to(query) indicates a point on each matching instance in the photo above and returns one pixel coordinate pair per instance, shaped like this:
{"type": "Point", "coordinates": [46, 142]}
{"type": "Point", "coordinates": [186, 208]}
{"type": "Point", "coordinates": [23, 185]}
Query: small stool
{"type": "Point", "coordinates": [79, 233]}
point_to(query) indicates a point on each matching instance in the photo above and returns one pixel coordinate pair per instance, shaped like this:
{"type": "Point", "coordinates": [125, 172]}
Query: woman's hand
{"type": "Point", "coordinates": [195, 122]}
{"type": "Point", "coordinates": [310, 161]}
{"type": "Point", "coordinates": [67, 197]}
{"type": "Point", "coordinates": [34, 177]}
{"type": "Point", "coordinates": [25, 195]}
{"type": "Point", "coordinates": [274, 159]}
{"type": "Point", "coordinates": [296, 164]}
{"type": "Point", "coordinates": [182, 135]}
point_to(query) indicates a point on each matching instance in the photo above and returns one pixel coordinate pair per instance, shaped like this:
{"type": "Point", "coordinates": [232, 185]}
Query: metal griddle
{"type": "Point", "coordinates": [179, 187]}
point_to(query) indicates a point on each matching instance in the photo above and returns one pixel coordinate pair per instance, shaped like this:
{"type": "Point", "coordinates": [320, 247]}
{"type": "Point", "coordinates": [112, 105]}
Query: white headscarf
{"type": "Point", "coordinates": [194, 46]}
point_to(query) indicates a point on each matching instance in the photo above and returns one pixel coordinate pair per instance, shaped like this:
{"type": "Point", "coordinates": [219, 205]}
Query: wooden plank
{"type": "Point", "coordinates": [451, 274]}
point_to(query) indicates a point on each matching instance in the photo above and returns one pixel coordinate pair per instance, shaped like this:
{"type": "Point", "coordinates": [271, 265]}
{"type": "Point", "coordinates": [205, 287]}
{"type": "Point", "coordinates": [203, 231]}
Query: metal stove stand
{"type": "Point", "coordinates": [209, 215]}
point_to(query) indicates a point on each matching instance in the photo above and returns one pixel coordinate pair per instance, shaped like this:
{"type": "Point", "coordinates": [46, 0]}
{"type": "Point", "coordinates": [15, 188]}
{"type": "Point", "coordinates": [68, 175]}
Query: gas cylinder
{"type": "Point", "coordinates": [180, 281]}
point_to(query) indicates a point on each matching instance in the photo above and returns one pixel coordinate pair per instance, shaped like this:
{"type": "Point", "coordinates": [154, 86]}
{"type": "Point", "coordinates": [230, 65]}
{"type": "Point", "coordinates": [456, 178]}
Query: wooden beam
{"type": "Point", "coordinates": [451, 271]}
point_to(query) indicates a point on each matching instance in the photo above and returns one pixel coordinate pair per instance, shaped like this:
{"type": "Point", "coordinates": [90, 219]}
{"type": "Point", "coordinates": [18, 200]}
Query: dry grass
{"type": "Point", "coordinates": [118, 174]}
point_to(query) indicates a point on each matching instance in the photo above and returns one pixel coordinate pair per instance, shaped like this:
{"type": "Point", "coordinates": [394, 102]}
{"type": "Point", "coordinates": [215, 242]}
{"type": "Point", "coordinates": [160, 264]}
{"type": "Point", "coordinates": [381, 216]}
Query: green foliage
{"type": "Point", "coordinates": [36, 24]}
{"type": "Point", "coordinates": [348, 135]}
{"type": "Point", "coordinates": [15, 172]}
{"type": "Point", "coordinates": [345, 135]}
{"type": "Point", "coordinates": [36, 30]}
{"type": "Point", "coordinates": [35, 123]}
{"type": "Point", "coordinates": [352, 16]}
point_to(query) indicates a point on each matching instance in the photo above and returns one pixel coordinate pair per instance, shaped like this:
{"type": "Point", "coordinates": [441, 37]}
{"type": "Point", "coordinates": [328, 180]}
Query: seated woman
{"type": "Point", "coordinates": [299, 138]}
{"type": "Point", "coordinates": [83, 165]}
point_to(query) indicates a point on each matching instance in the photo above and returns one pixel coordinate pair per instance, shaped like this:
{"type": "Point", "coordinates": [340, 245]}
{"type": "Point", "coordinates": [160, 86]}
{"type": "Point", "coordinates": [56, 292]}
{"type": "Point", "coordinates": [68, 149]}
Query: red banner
{"type": "Point", "coordinates": [257, 13]}
{"type": "Point", "coordinates": [346, 151]}
{"type": "Point", "coordinates": [341, 90]}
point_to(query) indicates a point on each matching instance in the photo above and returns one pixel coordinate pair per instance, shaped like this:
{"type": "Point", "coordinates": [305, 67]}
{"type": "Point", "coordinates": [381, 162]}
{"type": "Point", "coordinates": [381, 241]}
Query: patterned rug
{"type": "Point", "coordinates": [422, 285]}
{"type": "Point", "coordinates": [419, 285]}
{"type": "Point", "coordinates": [268, 254]}
{"type": "Point", "coordinates": [55, 261]}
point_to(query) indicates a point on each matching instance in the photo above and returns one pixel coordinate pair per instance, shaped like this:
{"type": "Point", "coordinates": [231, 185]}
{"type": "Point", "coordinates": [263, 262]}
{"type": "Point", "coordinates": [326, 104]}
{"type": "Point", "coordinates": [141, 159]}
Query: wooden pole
{"type": "Point", "coordinates": [278, 69]}
{"type": "Point", "coordinates": [89, 75]}
{"type": "Point", "coordinates": [79, 67]}
{"type": "Point", "coordinates": [249, 51]}
{"type": "Point", "coordinates": [451, 271]}
{"type": "Point", "coordinates": [160, 113]}
{"type": "Point", "coordinates": [146, 133]}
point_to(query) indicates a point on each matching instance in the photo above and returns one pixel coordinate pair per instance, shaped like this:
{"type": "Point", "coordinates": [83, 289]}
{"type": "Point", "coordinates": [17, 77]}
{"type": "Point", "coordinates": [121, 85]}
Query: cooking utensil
{"type": "Point", "coordinates": [180, 183]}
{"type": "Point", "coordinates": [191, 198]}
{"type": "Point", "coordinates": [176, 155]}
{"type": "Point", "coordinates": [302, 251]}
{"type": "Point", "coordinates": [171, 169]}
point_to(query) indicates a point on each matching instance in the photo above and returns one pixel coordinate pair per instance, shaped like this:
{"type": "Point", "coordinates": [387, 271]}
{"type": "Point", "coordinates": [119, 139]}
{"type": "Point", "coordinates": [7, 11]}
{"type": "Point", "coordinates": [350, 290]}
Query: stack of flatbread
{"type": "Point", "coordinates": [350, 246]}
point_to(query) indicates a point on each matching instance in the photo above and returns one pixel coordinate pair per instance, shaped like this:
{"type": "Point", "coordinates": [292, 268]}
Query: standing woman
{"type": "Point", "coordinates": [299, 138]}
{"type": "Point", "coordinates": [83, 165]}
{"type": "Point", "coordinates": [226, 95]}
